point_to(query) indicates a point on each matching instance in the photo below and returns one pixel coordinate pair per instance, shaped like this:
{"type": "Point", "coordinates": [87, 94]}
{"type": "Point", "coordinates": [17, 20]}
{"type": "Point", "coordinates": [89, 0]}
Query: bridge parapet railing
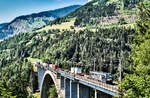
{"type": "Point", "coordinates": [100, 84]}
{"type": "Point", "coordinates": [97, 83]}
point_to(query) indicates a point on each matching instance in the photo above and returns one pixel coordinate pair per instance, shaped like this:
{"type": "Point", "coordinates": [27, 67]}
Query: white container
{"type": "Point", "coordinates": [76, 70]}
{"type": "Point", "coordinates": [45, 64]}
{"type": "Point", "coordinates": [50, 65]}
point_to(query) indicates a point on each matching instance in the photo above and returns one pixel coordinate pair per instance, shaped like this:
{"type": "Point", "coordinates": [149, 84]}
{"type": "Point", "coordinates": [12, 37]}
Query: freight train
{"type": "Point", "coordinates": [97, 76]}
{"type": "Point", "coordinates": [100, 76]}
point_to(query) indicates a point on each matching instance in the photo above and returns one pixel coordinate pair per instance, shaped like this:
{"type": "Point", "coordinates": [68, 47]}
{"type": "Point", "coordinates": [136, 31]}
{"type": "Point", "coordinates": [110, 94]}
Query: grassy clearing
{"type": "Point", "coordinates": [65, 25]}
{"type": "Point", "coordinates": [34, 59]}
{"type": "Point", "coordinates": [62, 26]}
{"type": "Point", "coordinates": [96, 3]}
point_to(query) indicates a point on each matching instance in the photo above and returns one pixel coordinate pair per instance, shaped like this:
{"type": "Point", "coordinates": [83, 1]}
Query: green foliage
{"type": "Point", "coordinates": [53, 92]}
{"type": "Point", "coordinates": [15, 79]}
{"type": "Point", "coordinates": [137, 84]}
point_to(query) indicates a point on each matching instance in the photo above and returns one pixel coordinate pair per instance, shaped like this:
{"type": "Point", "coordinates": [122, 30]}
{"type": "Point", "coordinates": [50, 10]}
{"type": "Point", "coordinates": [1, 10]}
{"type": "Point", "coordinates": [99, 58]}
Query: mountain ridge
{"type": "Point", "coordinates": [46, 13]}
{"type": "Point", "coordinates": [27, 23]}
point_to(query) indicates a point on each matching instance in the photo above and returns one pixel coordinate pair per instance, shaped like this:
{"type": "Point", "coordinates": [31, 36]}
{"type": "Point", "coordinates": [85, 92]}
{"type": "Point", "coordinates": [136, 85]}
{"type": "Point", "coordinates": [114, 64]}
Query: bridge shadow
{"type": "Point", "coordinates": [47, 84]}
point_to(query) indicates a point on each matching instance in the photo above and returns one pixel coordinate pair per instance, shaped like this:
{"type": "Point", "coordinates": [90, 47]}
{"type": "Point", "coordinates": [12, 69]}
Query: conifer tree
{"type": "Point", "coordinates": [137, 84]}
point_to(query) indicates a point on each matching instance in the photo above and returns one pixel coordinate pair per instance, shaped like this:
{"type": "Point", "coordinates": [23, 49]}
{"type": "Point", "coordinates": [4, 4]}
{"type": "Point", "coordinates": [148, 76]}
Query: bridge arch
{"type": "Point", "coordinates": [49, 79]}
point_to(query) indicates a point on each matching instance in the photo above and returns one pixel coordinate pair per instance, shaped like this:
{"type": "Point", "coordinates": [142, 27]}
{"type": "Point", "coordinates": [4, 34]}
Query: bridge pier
{"type": "Point", "coordinates": [73, 89]}
{"type": "Point", "coordinates": [67, 88]}
{"type": "Point", "coordinates": [62, 83]}
{"type": "Point", "coordinates": [78, 90]}
{"type": "Point", "coordinates": [84, 91]}
{"type": "Point", "coordinates": [95, 93]}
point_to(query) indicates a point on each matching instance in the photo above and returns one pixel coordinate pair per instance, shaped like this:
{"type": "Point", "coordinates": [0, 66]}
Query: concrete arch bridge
{"type": "Point", "coordinates": [72, 86]}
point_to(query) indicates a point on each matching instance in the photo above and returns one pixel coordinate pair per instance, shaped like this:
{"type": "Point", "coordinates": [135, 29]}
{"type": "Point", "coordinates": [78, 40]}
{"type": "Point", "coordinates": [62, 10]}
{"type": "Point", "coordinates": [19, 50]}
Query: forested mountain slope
{"type": "Point", "coordinates": [28, 23]}
{"type": "Point", "coordinates": [103, 12]}
{"type": "Point", "coordinates": [99, 32]}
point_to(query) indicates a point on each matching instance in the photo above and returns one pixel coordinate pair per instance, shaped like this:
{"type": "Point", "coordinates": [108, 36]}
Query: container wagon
{"type": "Point", "coordinates": [100, 76]}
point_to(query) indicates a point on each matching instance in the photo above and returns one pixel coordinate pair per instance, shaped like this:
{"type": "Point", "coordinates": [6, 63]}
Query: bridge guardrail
{"type": "Point", "coordinates": [100, 84]}
{"type": "Point", "coordinates": [97, 83]}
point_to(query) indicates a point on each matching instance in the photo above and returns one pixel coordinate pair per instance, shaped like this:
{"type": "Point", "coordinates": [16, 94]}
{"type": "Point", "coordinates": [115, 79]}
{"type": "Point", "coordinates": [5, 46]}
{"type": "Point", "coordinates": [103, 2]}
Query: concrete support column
{"type": "Point", "coordinates": [78, 90]}
{"type": "Point", "coordinates": [84, 91]}
{"type": "Point", "coordinates": [67, 88]}
{"type": "Point", "coordinates": [73, 89]}
{"type": "Point", "coordinates": [95, 93]}
{"type": "Point", "coordinates": [62, 83]}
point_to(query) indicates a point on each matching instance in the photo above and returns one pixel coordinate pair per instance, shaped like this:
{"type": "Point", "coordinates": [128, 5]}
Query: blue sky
{"type": "Point", "coordinates": [9, 9]}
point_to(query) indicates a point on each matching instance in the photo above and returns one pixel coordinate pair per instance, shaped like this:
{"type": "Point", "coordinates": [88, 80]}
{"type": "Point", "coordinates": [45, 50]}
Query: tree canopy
{"type": "Point", "coordinates": [137, 84]}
